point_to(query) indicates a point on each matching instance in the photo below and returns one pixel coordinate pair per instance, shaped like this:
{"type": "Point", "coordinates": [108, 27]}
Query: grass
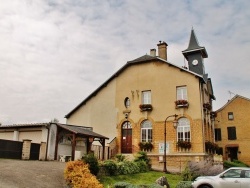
{"type": "Point", "coordinates": [141, 178]}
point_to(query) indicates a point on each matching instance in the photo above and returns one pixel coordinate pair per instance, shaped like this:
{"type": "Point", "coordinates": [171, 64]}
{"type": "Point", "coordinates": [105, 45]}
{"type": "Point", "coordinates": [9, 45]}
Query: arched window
{"type": "Point", "coordinates": [126, 125]}
{"type": "Point", "coordinates": [146, 131]}
{"type": "Point", "coordinates": [183, 130]}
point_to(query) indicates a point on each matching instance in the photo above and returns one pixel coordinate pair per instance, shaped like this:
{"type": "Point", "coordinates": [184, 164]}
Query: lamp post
{"type": "Point", "coordinates": [165, 135]}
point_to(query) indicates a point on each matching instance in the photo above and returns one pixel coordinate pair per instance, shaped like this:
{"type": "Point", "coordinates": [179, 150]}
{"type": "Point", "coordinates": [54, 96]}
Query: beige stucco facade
{"type": "Point", "coordinates": [238, 147]}
{"type": "Point", "coordinates": [100, 112]}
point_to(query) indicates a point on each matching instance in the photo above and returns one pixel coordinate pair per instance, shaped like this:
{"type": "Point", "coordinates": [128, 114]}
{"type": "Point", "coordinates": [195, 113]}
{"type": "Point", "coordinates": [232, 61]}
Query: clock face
{"type": "Point", "coordinates": [195, 62]}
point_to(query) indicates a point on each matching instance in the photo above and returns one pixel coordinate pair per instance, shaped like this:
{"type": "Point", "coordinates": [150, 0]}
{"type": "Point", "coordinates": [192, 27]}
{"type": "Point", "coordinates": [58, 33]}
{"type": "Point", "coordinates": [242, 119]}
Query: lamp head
{"type": "Point", "coordinates": [175, 122]}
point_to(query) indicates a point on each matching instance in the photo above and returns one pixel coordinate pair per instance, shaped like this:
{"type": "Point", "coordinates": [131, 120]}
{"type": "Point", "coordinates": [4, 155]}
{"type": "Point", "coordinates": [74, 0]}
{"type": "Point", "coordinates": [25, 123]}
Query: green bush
{"type": "Point", "coordinates": [184, 184]}
{"type": "Point", "coordinates": [150, 186]}
{"type": "Point", "coordinates": [234, 163]}
{"type": "Point", "coordinates": [128, 167]}
{"type": "Point", "coordinates": [110, 167]}
{"type": "Point", "coordinates": [142, 165]}
{"type": "Point", "coordinates": [142, 156]}
{"type": "Point", "coordinates": [128, 185]}
{"type": "Point", "coordinates": [122, 185]}
{"type": "Point", "coordinates": [120, 157]}
{"type": "Point", "coordinates": [92, 161]}
{"type": "Point", "coordinates": [188, 175]}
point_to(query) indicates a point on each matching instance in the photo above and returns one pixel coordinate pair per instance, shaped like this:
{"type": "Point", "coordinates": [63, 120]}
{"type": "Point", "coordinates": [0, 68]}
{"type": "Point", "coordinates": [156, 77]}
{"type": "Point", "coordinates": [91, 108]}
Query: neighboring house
{"type": "Point", "coordinates": [59, 141]}
{"type": "Point", "coordinates": [232, 129]}
{"type": "Point", "coordinates": [134, 104]}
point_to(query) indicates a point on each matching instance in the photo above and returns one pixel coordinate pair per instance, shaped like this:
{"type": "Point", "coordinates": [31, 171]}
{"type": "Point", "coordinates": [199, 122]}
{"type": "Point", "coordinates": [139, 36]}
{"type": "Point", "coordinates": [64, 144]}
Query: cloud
{"type": "Point", "coordinates": [55, 53]}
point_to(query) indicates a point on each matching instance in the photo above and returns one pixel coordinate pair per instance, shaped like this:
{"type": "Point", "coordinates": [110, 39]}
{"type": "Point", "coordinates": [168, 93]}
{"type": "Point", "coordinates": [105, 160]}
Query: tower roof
{"type": "Point", "coordinates": [194, 46]}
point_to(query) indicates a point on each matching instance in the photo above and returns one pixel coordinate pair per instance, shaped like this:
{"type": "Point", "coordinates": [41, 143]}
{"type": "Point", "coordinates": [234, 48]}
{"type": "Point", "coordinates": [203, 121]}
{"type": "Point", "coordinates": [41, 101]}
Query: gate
{"type": "Point", "coordinates": [11, 149]}
{"type": "Point", "coordinates": [34, 151]}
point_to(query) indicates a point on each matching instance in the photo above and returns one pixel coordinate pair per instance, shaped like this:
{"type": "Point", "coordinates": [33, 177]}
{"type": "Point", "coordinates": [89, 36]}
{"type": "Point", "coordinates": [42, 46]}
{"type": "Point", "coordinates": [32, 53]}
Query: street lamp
{"type": "Point", "coordinates": [175, 122]}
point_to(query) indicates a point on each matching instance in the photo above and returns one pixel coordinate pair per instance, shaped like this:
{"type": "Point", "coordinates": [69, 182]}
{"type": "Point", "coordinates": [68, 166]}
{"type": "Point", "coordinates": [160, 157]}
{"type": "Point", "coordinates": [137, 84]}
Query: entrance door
{"type": "Point", "coordinates": [233, 153]}
{"type": "Point", "coordinates": [126, 137]}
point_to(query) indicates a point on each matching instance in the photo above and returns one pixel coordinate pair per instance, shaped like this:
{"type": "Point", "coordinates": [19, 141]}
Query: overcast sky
{"type": "Point", "coordinates": [54, 53]}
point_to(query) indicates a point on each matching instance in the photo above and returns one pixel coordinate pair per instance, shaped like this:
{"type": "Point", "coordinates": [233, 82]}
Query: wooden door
{"type": "Point", "coordinates": [126, 137]}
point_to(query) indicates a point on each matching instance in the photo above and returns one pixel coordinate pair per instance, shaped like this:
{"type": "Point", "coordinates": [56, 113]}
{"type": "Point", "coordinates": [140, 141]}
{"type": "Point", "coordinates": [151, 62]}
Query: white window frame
{"type": "Point", "coordinates": [184, 129]}
{"type": "Point", "coordinates": [181, 93]}
{"type": "Point", "coordinates": [146, 128]}
{"type": "Point", "coordinates": [146, 97]}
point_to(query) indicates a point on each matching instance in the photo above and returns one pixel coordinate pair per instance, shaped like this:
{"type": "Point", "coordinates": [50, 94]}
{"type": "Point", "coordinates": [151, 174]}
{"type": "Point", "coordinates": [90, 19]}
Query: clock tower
{"type": "Point", "coordinates": [195, 54]}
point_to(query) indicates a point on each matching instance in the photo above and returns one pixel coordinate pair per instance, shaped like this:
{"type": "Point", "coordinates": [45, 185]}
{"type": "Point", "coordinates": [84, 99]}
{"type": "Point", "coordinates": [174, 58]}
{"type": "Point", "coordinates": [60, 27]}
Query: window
{"type": "Point", "coordinates": [230, 116]}
{"type": "Point", "coordinates": [233, 173]}
{"type": "Point", "coordinates": [217, 134]}
{"type": "Point", "coordinates": [146, 131]}
{"type": "Point", "coordinates": [247, 174]}
{"type": "Point", "coordinates": [146, 97]}
{"type": "Point", "coordinates": [127, 102]}
{"type": "Point", "coordinates": [231, 132]}
{"type": "Point", "coordinates": [181, 93]}
{"type": "Point", "coordinates": [183, 130]}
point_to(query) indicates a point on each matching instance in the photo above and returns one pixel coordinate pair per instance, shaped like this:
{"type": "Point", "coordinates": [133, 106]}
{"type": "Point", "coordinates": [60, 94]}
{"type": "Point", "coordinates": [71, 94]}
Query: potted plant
{"type": "Point", "coordinates": [211, 146]}
{"type": "Point", "coordinates": [146, 146]}
{"type": "Point", "coordinates": [141, 145]}
{"type": "Point", "coordinates": [146, 107]}
{"type": "Point", "coordinates": [213, 114]}
{"type": "Point", "coordinates": [181, 103]}
{"type": "Point", "coordinates": [207, 106]}
{"type": "Point", "coordinates": [184, 144]}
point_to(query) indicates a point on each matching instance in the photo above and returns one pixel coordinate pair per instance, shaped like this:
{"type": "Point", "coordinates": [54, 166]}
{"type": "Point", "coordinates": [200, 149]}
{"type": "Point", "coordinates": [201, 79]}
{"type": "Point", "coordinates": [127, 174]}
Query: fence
{"type": "Point", "coordinates": [109, 152]}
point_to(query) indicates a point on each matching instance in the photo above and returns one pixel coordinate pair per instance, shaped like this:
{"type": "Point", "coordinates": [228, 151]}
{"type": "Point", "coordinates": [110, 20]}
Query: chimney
{"type": "Point", "coordinates": [153, 52]}
{"type": "Point", "coordinates": [162, 50]}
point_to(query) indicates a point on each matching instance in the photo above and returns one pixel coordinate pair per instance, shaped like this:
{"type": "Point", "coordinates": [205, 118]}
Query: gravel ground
{"type": "Point", "coordinates": [31, 174]}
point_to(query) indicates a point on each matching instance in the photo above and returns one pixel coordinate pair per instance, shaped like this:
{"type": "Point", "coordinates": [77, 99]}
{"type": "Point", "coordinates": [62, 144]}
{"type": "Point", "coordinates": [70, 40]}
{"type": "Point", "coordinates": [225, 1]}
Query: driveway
{"type": "Point", "coordinates": [30, 174]}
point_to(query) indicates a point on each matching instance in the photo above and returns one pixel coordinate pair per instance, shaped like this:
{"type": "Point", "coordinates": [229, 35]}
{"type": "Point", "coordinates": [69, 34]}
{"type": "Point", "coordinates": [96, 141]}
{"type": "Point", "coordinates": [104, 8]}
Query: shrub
{"type": "Point", "coordinates": [92, 161]}
{"type": "Point", "coordinates": [77, 175]}
{"type": "Point", "coordinates": [234, 163]}
{"type": "Point", "coordinates": [120, 157]}
{"type": "Point", "coordinates": [121, 185]}
{"type": "Point", "coordinates": [188, 175]}
{"type": "Point", "coordinates": [110, 167]}
{"type": "Point", "coordinates": [203, 168]}
{"type": "Point", "coordinates": [142, 156]}
{"type": "Point", "coordinates": [184, 184]}
{"type": "Point", "coordinates": [128, 167]}
{"type": "Point", "coordinates": [142, 165]}
{"type": "Point", "coordinates": [128, 185]}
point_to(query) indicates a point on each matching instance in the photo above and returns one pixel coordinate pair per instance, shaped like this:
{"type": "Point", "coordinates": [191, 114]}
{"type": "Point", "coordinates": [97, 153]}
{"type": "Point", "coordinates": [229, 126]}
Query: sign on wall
{"type": "Point", "coordinates": [161, 147]}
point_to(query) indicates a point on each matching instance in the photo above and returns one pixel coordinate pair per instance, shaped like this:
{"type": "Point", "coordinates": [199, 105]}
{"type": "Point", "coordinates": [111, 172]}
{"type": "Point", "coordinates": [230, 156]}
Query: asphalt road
{"type": "Point", "coordinates": [31, 174]}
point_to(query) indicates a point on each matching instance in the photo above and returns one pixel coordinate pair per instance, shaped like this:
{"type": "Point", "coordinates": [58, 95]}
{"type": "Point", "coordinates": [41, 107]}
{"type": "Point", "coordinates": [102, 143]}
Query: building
{"type": "Point", "coordinates": [231, 129]}
{"type": "Point", "coordinates": [147, 94]}
{"type": "Point", "coordinates": [49, 141]}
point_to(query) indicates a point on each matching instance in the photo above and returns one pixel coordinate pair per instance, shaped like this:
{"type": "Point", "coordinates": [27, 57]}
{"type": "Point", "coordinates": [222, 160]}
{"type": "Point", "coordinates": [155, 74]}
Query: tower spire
{"type": "Point", "coordinates": [195, 54]}
{"type": "Point", "coordinates": [194, 46]}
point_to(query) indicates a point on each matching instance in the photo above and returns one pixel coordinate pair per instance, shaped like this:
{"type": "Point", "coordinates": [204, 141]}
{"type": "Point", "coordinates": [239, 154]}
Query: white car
{"type": "Point", "coordinates": [235, 177]}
